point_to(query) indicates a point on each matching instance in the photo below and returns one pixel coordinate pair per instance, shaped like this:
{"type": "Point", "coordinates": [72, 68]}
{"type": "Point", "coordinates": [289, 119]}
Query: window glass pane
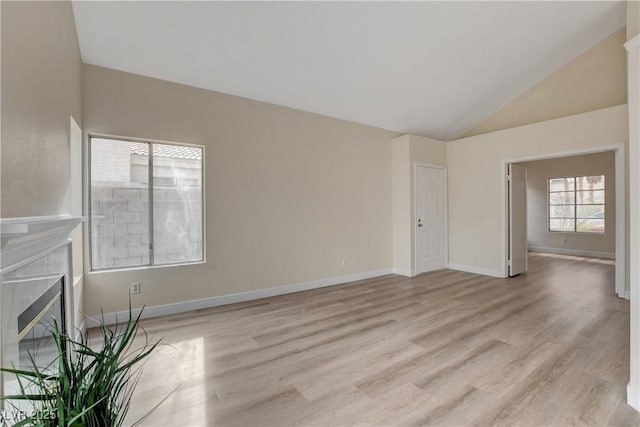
{"type": "Point", "coordinates": [563, 198]}
{"type": "Point", "coordinates": [591, 225]}
{"type": "Point", "coordinates": [595, 182]}
{"type": "Point", "coordinates": [562, 211]}
{"type": "Point", "coordinates": [561, 225]}
{"type": "Point", "coordinates": [561, 184]}
{"type": "Point", "coordinates": [590, 197]}
{"type": "Point", "coordinates": [577, 202]}
{"type": "Point", "coordinates": [590, 211]}
{"type": "Point", "coordinates": [177, 204]}
{"type": "Point", "coordinates": [119, 203]}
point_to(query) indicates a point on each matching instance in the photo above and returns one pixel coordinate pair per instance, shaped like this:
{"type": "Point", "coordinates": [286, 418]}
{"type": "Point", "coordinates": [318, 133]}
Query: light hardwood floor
{"type": "Point", "coordinates": [444, 348]}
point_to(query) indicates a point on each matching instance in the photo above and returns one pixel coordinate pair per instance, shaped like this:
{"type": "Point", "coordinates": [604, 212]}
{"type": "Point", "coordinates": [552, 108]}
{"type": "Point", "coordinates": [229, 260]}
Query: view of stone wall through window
{"type": "Point", "coordinates": [120, 215]}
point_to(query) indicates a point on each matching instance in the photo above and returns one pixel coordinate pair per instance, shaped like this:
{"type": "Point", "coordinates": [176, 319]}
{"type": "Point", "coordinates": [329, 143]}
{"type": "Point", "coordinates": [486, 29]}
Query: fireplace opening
{"type": "Point", "coordinates": [38, 300]}
{"type": "Point", "coordinates": [35, 325]}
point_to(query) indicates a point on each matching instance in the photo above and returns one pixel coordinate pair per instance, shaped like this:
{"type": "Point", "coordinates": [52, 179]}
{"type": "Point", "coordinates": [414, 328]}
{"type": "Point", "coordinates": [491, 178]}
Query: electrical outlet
{"type": "Point", "coordinates": [564, 240]}
{"type": "Point", "coordinates": [135, 288]}
{"type": "Point", "coordinates": [344, 261]}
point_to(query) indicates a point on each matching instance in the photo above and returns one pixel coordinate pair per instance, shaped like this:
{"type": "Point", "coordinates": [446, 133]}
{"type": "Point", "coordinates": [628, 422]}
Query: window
{"type": "Point", "coordinates": [146, 203]}
{"type": "Point", "coordinates": [576, 204]}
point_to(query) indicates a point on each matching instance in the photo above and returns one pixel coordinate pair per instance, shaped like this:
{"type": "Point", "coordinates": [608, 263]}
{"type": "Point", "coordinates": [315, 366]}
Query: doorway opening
{"type": "Point", "coordinates": [570, 204]}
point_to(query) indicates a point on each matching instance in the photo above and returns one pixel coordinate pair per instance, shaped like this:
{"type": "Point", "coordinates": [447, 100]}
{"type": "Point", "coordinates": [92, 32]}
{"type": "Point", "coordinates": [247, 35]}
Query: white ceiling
{"type": "Point", "coordinates": [429, 68]}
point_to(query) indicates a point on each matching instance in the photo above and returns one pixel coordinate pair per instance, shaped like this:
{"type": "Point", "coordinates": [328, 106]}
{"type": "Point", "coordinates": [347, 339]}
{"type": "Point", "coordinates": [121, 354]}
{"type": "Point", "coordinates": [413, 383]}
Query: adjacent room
{"type": "Point", "coordinates": [583, 222]}
{"type": "Point", "coordinates": [320, 213]}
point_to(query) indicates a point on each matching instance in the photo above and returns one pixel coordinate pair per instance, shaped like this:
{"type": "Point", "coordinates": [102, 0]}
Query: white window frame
{"type": "Point", "coordinates": [575, 205]}
{"type": "Point", "coordinates": [151, 264]}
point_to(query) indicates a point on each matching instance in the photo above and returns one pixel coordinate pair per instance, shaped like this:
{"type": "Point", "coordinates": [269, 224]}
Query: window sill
{"type": "Point", "coordinates": [146, 267]}
{"type": "Point", "coordinates": [577, 233]}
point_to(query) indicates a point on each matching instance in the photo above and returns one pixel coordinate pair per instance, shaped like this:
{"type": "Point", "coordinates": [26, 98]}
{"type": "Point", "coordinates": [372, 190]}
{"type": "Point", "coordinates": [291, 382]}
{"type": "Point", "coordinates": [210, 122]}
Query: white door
{"type": "Point", "coordinates": [517, 185]}
{"type": "Point", "coordinates": [431, 219]}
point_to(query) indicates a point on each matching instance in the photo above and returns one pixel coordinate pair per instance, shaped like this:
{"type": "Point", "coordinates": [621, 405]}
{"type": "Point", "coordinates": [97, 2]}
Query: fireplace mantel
{"type": "Point", "coordinates": [35, 253]}
{"type": "Point", "coordinates": [25, 239]}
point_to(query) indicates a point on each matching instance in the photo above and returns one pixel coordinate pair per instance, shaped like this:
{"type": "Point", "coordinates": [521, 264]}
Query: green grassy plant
{"type": "Point", "coordinates": [84, 386]}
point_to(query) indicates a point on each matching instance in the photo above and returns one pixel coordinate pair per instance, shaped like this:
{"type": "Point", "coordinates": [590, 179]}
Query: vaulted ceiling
{"type": "Point", "coordinates": [429, 68]}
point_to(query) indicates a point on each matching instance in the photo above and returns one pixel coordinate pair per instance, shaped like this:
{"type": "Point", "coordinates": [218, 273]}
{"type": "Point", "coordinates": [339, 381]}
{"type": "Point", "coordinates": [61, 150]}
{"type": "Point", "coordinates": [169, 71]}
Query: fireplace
{"type": "Point", "coordinates": [35, 325]}
{"type": "Point", "coordinates": [36, 291]}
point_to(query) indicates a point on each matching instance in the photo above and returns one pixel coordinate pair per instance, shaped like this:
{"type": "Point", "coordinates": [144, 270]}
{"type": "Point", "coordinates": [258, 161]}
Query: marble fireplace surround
{"type": "Point", "coordinates": [33, 249]}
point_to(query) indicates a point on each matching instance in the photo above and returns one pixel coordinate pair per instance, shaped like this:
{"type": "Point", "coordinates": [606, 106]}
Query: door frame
{"type": "Point", "coordinates": [414, 215]}
{"type": "Point", "coordinates": [620, 255]}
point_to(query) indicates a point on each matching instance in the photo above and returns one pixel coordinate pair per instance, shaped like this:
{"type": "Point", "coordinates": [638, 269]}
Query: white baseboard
{"type": "Point", "coordinates": [403, 272]}
{"type": "Point", "coordinates": [633, 398]}
{"type": "Point", "coordinates": [476, 270]}
{"type": "Point", "coordinates": [184, 306]}
{"type": "Point", "coordinates": [574, 252]}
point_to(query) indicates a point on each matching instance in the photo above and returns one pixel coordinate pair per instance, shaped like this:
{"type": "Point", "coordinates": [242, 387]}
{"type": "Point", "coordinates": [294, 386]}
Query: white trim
{"type": "Point", "coordinates": [633, 397]}
{"type": "Point", "coordinates": [620, 280]}
{"type": "Point", "coordinates": [26, 239]}
{"type": "Point", "coordinates": [414, 234]}
{"type": "Point", "coordinates": [565, 153]}
{"type": "Point", "coordinates": [633, 43]}
{"type": "Point", "coordinates": [633, 84]}
{"type": "Point", "coordinates": [81, 331]}
{"type": "Point", "coordinates": [476, 270]}
{"type": "Point", "coordinates": [185, 306]}
{"type": "Point", "coordinates": [20, 225]}
{"type": "Point", "coordinates": [621, 223]}
{"type": "Point", "coordinates": [403, 272]}
{"type": "Point", "coordinates": [142, 267]}
{"type": "Point", "coordinates": [429, 165]}
{"type": "Point", "coordinates": [574, 252]}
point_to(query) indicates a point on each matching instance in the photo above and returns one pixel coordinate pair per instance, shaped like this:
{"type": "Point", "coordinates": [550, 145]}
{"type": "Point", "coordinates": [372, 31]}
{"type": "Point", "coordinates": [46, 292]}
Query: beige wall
{"type": "Point", "coordinates": [538, 174]}
{"type": "Point", "coordinates": [41, 86]}
{"type": "Point", "coordinates": [407, 150]}
{"type": "Point", "coordinates": [401, 205]}
{"type": "Point", "coordinates": [476, 177]}
{"type": "Point", "coordinates": [427, 150]}
{"type": "Point", "coordinates": [633, 18]}
{"type": "Point", "coordinates": [594, 80]}
{"type": "Point", "coordinates": [41, 117]}
{"type": "Point", "coordinates": [289, 194]}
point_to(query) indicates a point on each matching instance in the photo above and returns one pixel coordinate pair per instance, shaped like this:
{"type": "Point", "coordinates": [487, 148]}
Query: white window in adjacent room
{"type": "Point", "coordinates": [576, 204]}
{"type": "Point", "coordinates": [146, 203]}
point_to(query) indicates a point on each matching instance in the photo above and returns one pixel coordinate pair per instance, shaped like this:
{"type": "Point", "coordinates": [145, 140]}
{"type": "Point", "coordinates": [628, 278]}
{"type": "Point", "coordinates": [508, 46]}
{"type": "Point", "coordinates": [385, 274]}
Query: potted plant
{"type": "Point", "coordinates": [91, 386]}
